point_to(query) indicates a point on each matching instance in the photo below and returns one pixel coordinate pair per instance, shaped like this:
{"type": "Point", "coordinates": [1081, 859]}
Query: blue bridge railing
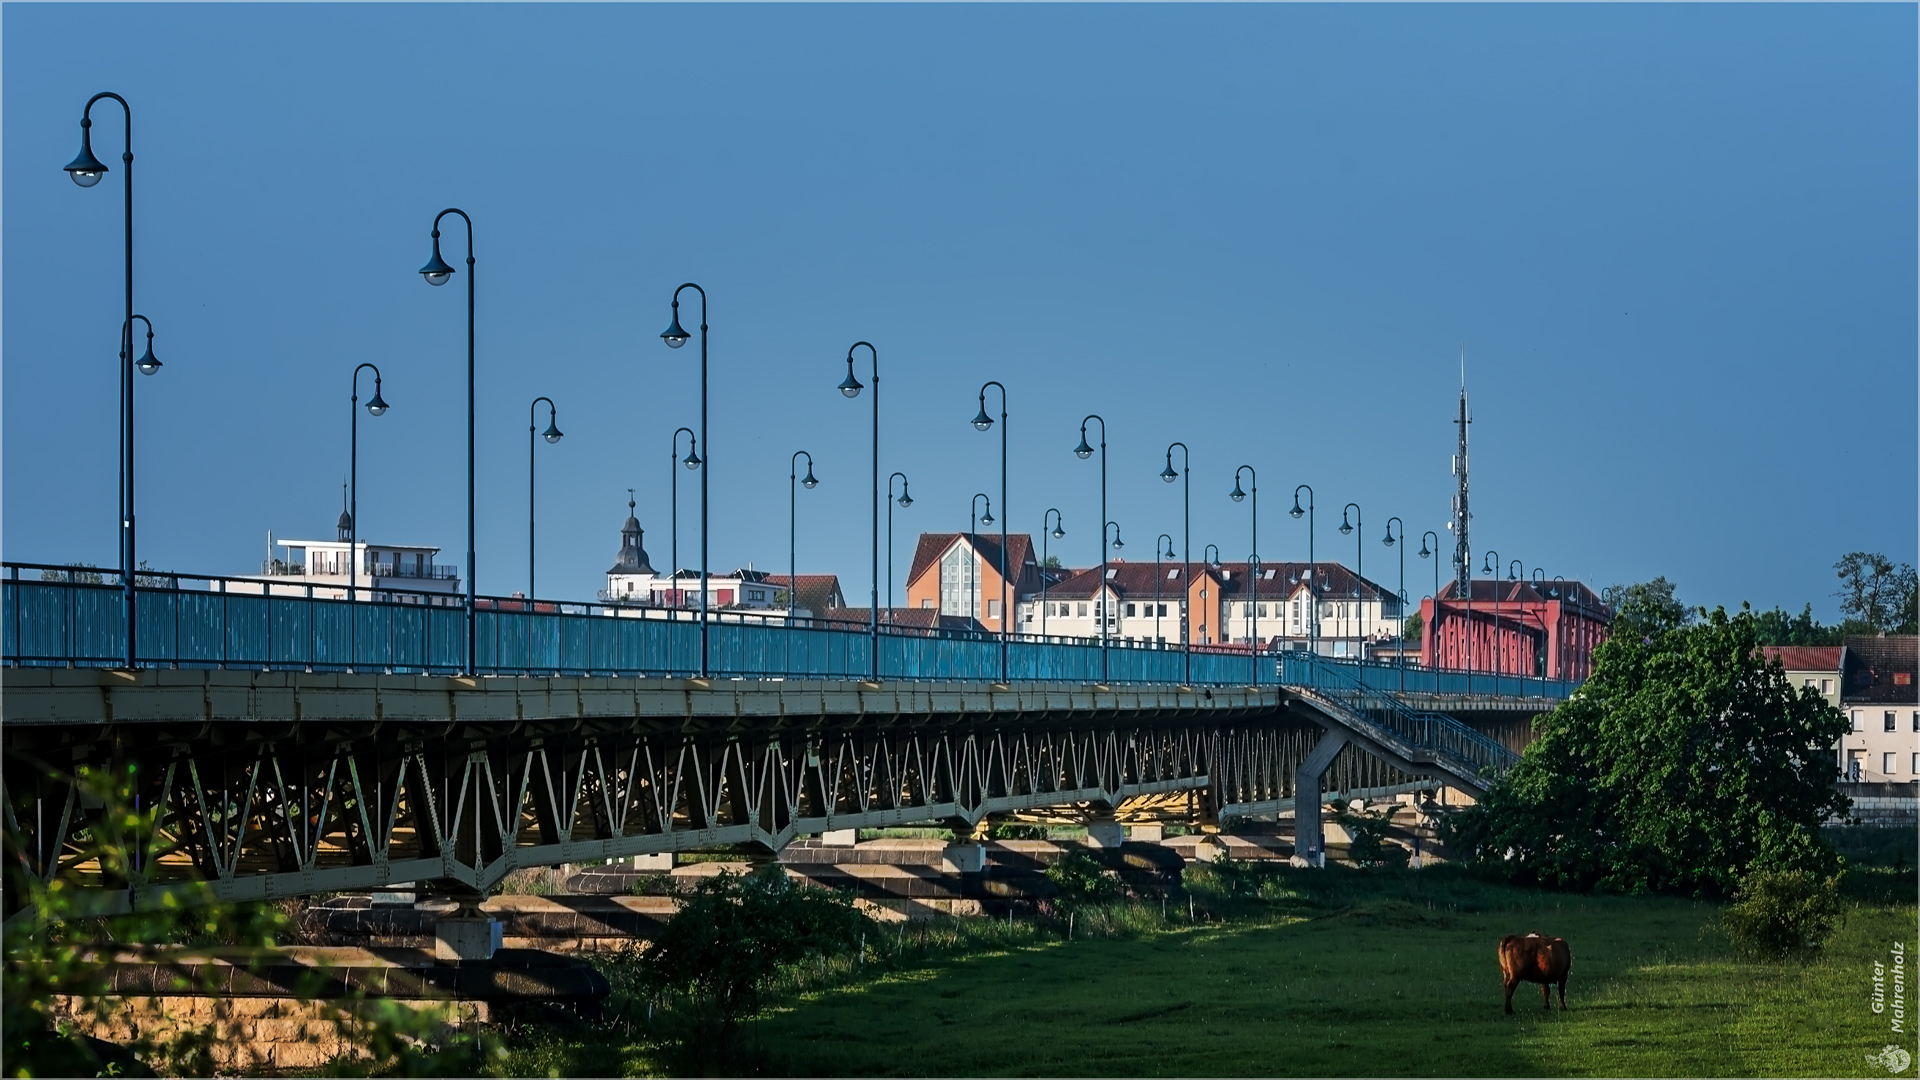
{"type": "Point", "coordinates": [1472, 752]}
{"type": "Point", "coordinates": [1305, 669]}
{"type": "Point", "coordinates": [75, 617]}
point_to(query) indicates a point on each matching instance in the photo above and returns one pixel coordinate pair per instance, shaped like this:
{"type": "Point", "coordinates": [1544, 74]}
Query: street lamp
{"type": "Point", "coordinates": [376, 406]}
{"type": "Point", "coordinates": [1211, 555]}
{"type": "Point", "coordinates": [1253, 563]}
{"type": "Point", "coordinates": [1425, 553]}
{"type": "Point", "coordinates": [1156, 583]}
{"type": "Point", "coordinates": [1359, 577]}
{"type": "Point", "coordinates": [1313, 570]}
{"type": "Point", "coordinates": [1186, 584]}
{"type": "Point", "coordinates": [793, 517]}
{"type": "Point", "coordinates": [86, 171]}
{"type": "Point", "coordinates": [1515, 570]}
{"type": "Point", "coordinates": [905, 500]}
{"type": "Point", "coordinates": [675, 337]}
{"type": "Point", "coordinates": [1109, 610]}
{"type": "Point", "coordinates": [1046, 578]}
{"type": "Point", "coordinates": [437, 272]}
{"type": "Point", "coordinates": [850, 387]}
{"type": "Point", "coordinates": [1083, 452]}
{"type": "Point", "coordinates": [552, 435]}
{"type": "Point", "coordinates": [692, 461]}
{"type": "Point", "coordinates": [981, 422]}
{"type": "Point", "coordinates": [1390, 540]}
{"type": "Point", "coordinates": [973, 541]}
{"type": "Point", "coordinates": [1490, 566]}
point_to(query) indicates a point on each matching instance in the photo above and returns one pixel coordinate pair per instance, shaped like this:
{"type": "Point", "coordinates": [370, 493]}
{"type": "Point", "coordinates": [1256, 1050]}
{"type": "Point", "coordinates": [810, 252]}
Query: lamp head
{"type": "Point", "coordinates": [988, 519]}
{"type": "Point", "coordinates": [1168, 554]}
{"type": "Point", "coordinates": [1083, 451]}
{"type": "Point", "coordinates": [86, 169]}
{"type": "Point", "coordinates": [1236, 494]}
{"type": "Point", "coordinates": [1423, 548]}
{"type": "Point", "coordinates": [1117, 544]}
{"type": "Point", "coordinates": [1296, 511]}
{"type": "Point", "coordinates": [1058, 532]}
{"type": "Point", "coordinates": [1389, 538]}
{"type": "Point", "coordinates": [1346, 526]}
{"type": "Point", "coordinates": [1486, 566]}
{"type": "Point", "coordinates": [808, 481]}
{"type": "Point", "coordinates": [905, 500]}
{"type": "Point", "coordinates": [692, 460]}
{"type": "Point", "coordinates": [1168, 474]}
{"type": "Point", "coordinates": [437, 272]}
{"type": "Point", "coordinates": [850, 386]}
{"type": "Point", "coordinates": [675, 335]}
{"type": "Point", "coordinates": [553, 433]}
{"type": "Point", "coordinates": [148, 363]}
{"type": "Point", "coordinates": [377, 406]}
{"type": "Point", "coordinates": [981, 421]}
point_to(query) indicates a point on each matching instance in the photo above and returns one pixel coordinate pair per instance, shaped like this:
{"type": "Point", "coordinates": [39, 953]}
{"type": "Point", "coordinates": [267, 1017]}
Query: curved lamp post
{"type": "Point", "coordinates": [1186, 585]}
{"type": "Point", "coordinates": [437, 272]}
{"type": "Point", "coordinates": [1359, 564]}
{"type": "Point", "coordinates": [1491, 567]}
{"type": "Point", "coordinates": [1253, 563]}
{"type": "Point", "coordinates": [793, 518]}
{"type": "Point", "coordinates": [1111, 610]}
{"type": "Point", "coordinates": [1083, 452]}
{"type": "Point", "coordinates": [86, 171]}
{"type": "Point", "coordinates": [850, 387]}
{"type": "Point", "coordinates": [1059, 522]}
{"type": "Point", "coordinates": [675, 337]}
{"type": "Point", "coordinates": [1313, 570]}
{"type": "Point", "coordinates": [692, 461]}
{"type": "Point", "coordinates": [1390, 540]}
{"type": "Point", "coordinates": [1427, 552]}
{"type": "Point", "coordinates": [553, 434]}
{"type": "Point", "coordinates": [1515, 570]}
{"type": "Point", "coordinates": [1156, 583]}
{"type": "Point", "coordinates": [376, 406]}
{"type": "Point", "coordinates": [905, 500]}
{"type": "Point", "coordinates": [982, 422]}
{"type": "Point", "coordinates": [973, 573]}
{"type": "Point", "coordinates": [1211, 556]}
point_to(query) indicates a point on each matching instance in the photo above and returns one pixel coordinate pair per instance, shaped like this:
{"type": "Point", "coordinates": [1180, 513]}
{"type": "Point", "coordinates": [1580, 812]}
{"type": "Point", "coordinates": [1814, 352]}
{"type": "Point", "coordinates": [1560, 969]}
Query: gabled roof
{"type": "Point", "coordinates": [1491, 590]}
{"type": "Point", "coordinates": [1021, 566]}
{"type": "Point", "coordinates": [1806, 657]}
{"type": "Point", "coordinates": [1135, 579]}
{"type": "Point", "coordinates": [815, 592]}
{"type": "Point", "coordinates": [1877, 667]}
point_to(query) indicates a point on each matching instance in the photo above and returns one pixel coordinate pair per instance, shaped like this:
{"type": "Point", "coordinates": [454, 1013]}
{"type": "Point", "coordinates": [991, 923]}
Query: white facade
{"type": "Point", "coordinates": [328, 566]}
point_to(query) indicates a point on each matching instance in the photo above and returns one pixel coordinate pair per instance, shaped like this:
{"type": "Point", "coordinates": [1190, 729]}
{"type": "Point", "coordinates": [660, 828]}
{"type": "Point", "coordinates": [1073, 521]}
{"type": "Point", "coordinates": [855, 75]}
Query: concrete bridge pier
{"type": "Point", "coordinates": [1309, 832]}
{"type": "Point", "coordinates": [469, 933]}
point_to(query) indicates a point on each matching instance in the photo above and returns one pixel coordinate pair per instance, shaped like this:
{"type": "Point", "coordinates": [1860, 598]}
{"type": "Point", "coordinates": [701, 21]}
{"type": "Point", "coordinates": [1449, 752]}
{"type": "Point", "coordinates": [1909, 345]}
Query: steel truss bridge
{"type": "Point", "coordinates": [283, 745]}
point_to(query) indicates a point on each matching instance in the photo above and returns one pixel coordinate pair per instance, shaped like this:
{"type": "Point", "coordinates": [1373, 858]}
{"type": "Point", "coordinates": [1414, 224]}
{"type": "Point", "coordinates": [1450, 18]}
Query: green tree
{"type": "Point", "coordinates": [1410, 628]}
{"type": "Point", "coordinates": [1776, 627]}
{"type": "Point", "coordinates": [1874, 590]}
{"type": "Point", "coordinates": [1646, 610]}
{"type": "Point", "coordinates": [720, 952]}
{"type": "Point", "coordinates": [1685, 761]}
{"type": "Point", "coordinates": [1052, 563]}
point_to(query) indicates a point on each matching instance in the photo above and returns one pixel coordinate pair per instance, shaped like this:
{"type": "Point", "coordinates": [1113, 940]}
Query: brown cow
{"type": "Point", "coordinates": [1538, 959]}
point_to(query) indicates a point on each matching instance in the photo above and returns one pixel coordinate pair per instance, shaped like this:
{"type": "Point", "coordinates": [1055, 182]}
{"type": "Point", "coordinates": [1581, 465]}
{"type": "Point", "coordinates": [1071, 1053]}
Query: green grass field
{"type": "Point", "coordinates": [1314, 973]}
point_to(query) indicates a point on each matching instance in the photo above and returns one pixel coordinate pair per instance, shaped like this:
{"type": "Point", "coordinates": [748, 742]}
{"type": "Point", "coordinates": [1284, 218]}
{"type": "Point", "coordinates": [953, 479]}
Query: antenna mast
{"type": "Point", "coordinates": [1462, 553]}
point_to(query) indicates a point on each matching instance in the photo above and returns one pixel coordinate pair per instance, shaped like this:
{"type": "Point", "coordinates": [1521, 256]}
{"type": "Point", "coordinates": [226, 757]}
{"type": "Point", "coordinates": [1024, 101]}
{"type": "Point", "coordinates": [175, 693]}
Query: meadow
{"type": "Point", "coordinates": [1306, 973]}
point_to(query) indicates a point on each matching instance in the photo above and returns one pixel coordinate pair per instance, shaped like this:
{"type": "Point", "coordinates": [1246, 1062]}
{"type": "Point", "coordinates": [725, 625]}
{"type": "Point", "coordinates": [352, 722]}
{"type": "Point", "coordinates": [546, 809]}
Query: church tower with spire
{"type": "Point", "coordinates": [632, 575]}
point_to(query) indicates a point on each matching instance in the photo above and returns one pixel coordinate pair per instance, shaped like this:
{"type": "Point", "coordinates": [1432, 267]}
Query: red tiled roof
{"type": "Point", "coordinates": [921, 618]}
{"type": "Point", "coordinates": [815, 592]}
{"type": "Point", "coordinates": [1805, 657]}
{"type": "Point", "coordinates": [1277, 580]}
{"type": "Point", "coordinates": [1493, 589]}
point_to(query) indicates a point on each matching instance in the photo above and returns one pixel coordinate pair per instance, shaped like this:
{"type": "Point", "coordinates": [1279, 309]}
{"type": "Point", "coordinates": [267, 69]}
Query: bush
{"type": "Point", "coordinates": [1082, 881]}
{"type": "Point", "coordinates": [1369, 831]}
{"type": "Point", "coordinates": [721, 951]}
{"type": "Point", "coordinates": [1777, 914]}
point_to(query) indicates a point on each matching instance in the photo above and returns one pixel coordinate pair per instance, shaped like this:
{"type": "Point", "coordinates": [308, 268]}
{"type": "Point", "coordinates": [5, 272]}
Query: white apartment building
{"type": "Point", "coordinates": [406, 573]}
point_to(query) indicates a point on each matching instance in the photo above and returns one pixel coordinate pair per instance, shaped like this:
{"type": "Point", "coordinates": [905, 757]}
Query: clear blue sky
{"type": "Point", "coordinates": [1678, 241]}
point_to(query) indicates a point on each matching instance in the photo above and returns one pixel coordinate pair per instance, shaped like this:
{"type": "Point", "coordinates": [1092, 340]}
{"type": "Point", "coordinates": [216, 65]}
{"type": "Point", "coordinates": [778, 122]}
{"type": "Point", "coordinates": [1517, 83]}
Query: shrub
{"type": "Point", "coordinates": [1369, 846]}
{"type": "Point", "coordinates": [1777, 914]}
{"type": "Point", "coordinates": [1083, 881]}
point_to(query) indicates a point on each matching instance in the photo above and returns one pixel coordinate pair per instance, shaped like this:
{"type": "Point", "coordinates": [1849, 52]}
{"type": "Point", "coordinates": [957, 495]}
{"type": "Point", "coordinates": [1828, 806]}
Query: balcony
{"type": "Point", "coordinates": [417, 572]}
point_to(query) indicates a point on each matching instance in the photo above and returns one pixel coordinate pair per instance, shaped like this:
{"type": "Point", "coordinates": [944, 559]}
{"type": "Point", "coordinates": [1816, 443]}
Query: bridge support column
{"type": "Point", "coordinates": [1105, 834]}
{"type": "Point", "coordinates": [1309, 834]}
{"type": "Point", "coordinates": [467, 934]}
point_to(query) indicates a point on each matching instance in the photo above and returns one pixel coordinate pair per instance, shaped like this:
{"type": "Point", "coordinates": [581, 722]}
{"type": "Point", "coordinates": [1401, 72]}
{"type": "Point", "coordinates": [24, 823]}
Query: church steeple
{"type": "Point", "coordinates": [633, 557]}
{"type": "Point", "coordinates": [345, 524]}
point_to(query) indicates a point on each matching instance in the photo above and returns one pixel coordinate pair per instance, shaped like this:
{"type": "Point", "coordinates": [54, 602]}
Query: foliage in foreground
{"type": "Point", "coordinates": [1783, 914]}
{"type": "Point", "coordinates": [720, 952]}
{"type": "Point", "coordinates": [1684, 762]}
{"type": "Point", "coordinates": [72, 954]}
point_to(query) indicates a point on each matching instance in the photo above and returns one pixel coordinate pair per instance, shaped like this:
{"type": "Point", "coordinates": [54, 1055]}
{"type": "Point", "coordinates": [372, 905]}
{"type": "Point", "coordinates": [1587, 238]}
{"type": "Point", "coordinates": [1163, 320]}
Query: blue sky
{"type": "Point", "coordinates": [1678, 242]}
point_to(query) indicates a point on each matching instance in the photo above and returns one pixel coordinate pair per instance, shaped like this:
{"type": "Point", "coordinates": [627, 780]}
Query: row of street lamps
{"type": "Point", "coordinates": [86, 171]}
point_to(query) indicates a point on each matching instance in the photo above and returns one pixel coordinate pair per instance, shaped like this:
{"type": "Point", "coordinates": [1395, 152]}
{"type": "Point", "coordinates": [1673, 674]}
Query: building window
{"type": "Point", "coordinates": [993, 609]}
{"type": "Point", "coordinates": [1856, 721]}
{"type": "Point", "coordinates": [1916, 764]}
{"type": "Point", "coordinates": [1916, 721]}
{"type": "Point", "coordinates": [1130, 611]}
{"type": "Point", "coordinates": [1826, 686]}
{"type": "Point", "coordinates": [1163, 611]}
{"type": "Point", "coordinates": [958, 581]}
{"type": "Point", "coordinates": [1083, 609]}
{"type": "Point", "coordinates": [1888, 722]}
{"type": "Point", "coordinates": [1886, 764]}
{"type": "Point", "coordinates": [926, 603]}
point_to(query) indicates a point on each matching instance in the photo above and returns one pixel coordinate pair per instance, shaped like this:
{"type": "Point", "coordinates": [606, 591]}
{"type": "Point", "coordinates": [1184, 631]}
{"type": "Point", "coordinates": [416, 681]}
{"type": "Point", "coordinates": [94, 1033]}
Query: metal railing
{"type": "Point", "coordinates": [1302, 669]}
{"type": "Point", "coordinates": [1471, 752]}
{"type": "Point", "coordinates": [65, 616]}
